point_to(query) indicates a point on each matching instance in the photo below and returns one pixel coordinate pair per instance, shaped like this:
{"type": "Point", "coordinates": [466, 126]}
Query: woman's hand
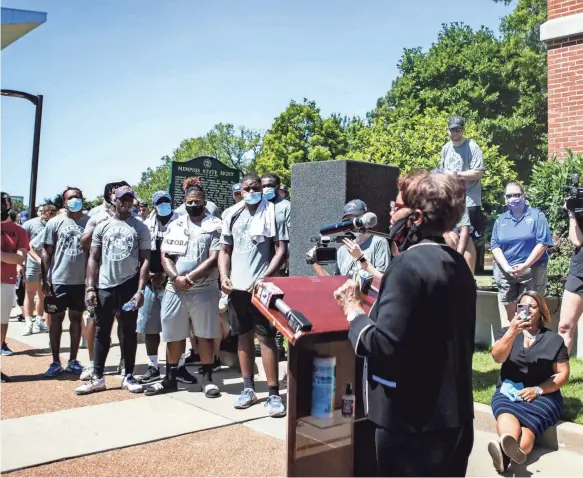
{"type": "Point", "coordinates": [349, 296]}
{"type": "Point", "coordinates": [527, 394]}
{"type": "Point", "coordinates": [353, 248]}
{"type": "Point", "coordinates": [517, 325]}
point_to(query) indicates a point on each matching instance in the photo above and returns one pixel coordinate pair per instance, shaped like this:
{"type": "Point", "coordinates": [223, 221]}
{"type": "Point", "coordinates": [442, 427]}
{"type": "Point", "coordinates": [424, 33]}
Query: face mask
{"type": "Point", "coordinates": [269, 193]}
{"type": "Point", "coordinates": [515, 203]}
{"type": "Point", "coordinates": [402, 235]}
{"type": "Point", "coordinates": [164, 209]}
{"type": "Point", "coordinates": [252, 198]}
{"type": "Point", "coordinates": [195, 211]}
{"type": "Point", "coordinates": [75, 204]}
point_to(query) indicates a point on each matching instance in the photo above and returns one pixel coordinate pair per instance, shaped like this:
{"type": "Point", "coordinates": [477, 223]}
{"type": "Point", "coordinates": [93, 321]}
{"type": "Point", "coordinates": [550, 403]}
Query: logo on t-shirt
{"type": "Point", "coordinates": [196, 247]}
{"type": "Point", "coordinates": [242, 238]}
{"type": "Point", "coordinates": [118, 243]}
{"type": "Point", "coordinates": [453, 161]}
{"type": "Point", "coordinates": [70, 240]}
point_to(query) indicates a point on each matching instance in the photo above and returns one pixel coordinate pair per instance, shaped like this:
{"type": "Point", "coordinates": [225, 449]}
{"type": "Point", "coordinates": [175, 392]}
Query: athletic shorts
{"type": "Point", "coordinates": [32, 273]}
{"type": "Point", "coordinates": [510, 288]}
{"type": "Point", "coordinates": [149, 316]}
{"type": "Point", "coordinates": [198, 307]}
{"type": "Point", "coordinates": [65, 297]}
{"type": "Point", "coordinates": [574, 284]}
{"type": "Point", "coordinates": [7, 292]}
{"type": "Point", "coordinates": [476, 220]}
{"type": "Point", "coordinates": [245, 317]}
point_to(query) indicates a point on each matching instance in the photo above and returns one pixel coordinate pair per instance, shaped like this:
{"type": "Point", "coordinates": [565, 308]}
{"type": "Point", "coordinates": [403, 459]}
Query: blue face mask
{"type": "Point", "coordinates": [252, 198]}
{"type": "Point", "coordinates": [75, 204]}
{"type": "Point", "coordinates": [269, 193]}
{"type": "Point", "coordinates": [164, 209]}
{"type": "Point", "coordinates": [515, 203]}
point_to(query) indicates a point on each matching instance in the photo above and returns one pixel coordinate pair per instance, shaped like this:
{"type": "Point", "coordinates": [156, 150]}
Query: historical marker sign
{"type": "Point", "coordinates": [217, 180]}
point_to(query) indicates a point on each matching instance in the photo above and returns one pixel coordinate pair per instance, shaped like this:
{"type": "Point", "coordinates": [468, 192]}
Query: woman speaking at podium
{"type": "Point", "coordinates": [419, 338]}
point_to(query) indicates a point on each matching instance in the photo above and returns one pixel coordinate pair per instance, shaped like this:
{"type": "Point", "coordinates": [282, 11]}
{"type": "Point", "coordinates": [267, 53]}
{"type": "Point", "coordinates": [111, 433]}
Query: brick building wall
{"type": "Point", "coordinates": [563, 33]}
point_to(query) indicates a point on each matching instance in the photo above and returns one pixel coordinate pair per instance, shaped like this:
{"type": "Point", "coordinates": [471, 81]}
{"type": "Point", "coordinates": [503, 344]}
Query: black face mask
{"type": "Point", "coordinates": [195, 211]}
{"type": "Point", "coordinates": [5, 214]}
{"type": "Point", "coordinates": [404, 236]}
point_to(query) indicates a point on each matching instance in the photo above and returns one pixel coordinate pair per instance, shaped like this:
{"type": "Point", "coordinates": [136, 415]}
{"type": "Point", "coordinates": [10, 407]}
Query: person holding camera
{"type": "Point", "coordinates": [535, 365]}
{"type": "Point", "coordinates": [572, 306]}
{"type": "Point", "coordinates": [367, 252]}
{"type": "Point", "coordinates": [520, 239]}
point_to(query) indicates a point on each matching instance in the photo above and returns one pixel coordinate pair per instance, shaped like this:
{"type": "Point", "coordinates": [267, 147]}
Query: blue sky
{"type": "Point", "coordinates": [126, 81]}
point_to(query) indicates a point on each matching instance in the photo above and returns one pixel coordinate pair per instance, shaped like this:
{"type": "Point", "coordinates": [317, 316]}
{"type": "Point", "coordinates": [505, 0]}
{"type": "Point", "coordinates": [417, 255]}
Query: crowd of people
{"type": "Point", "coordinates": [189, 273]}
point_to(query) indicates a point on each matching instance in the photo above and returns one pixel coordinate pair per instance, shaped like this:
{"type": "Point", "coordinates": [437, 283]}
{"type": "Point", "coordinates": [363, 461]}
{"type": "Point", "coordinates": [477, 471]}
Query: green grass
{"type": "Point", "coordinates": [486, 373]}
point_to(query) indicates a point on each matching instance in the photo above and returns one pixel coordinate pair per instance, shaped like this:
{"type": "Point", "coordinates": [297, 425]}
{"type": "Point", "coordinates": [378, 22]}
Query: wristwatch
{"type": "Point", "coordinates": [362, 259]}
{"type": "Point", "coordinates": [354, 314]}
{"type": "Point", "coordinates": [538, 391]}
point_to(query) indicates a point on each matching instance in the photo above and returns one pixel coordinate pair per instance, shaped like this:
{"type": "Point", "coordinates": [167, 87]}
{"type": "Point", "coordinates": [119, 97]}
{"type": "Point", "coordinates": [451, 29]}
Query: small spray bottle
{"type": "Point", "coordinates": [348, 402]}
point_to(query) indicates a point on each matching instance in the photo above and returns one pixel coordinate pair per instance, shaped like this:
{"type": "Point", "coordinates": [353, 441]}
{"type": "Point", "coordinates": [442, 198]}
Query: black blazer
{"type": "Point", "coordinates": [419, 342]}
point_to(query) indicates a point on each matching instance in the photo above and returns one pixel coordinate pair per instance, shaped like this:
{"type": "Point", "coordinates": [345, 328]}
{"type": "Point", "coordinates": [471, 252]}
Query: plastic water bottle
{"type": "Point", "coordinates": [131, 305]}
{"type": "Point", "coordinates": [323, 387]}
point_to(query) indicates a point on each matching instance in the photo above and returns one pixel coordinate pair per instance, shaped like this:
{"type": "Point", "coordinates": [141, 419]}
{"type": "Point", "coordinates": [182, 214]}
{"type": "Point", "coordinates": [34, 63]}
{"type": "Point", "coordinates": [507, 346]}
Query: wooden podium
{"type": "Point", "coordinates": [337, 446]}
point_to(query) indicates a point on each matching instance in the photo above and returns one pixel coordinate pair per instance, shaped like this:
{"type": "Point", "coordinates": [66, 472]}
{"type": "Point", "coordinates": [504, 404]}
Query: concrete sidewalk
{"type": "Point", "coordinates": [92, 429]}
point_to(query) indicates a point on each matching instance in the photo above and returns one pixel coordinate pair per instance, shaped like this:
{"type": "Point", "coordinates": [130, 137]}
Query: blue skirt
{"type": "Point", "coordinates": [538, 415]}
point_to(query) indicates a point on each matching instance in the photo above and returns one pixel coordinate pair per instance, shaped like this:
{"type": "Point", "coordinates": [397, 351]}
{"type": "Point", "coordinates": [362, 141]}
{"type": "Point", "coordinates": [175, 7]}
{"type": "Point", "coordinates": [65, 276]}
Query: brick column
{"type": "Point", "coordinates": [563, 33]}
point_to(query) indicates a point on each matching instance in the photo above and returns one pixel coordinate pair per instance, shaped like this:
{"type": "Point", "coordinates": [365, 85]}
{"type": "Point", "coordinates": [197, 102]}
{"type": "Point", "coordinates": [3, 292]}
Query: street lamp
{"type": "Point", "coordinates": [37, 101]}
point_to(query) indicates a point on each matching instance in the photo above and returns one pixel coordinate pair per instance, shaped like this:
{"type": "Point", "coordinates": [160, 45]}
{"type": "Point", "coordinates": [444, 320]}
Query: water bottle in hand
{"type": "Point", "coordinates": [128, 306]}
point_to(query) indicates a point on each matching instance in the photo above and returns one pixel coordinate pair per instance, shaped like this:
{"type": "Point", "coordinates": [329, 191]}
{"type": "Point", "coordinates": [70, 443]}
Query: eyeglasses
{"type": "Point", "coordinates": [513, 195]}
{"type": "Point", "coordinates": [395, 206]}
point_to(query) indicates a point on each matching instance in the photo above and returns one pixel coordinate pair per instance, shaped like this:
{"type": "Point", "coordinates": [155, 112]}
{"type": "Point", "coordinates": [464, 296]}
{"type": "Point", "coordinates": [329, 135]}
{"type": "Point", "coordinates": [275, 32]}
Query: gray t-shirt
{"type": "Point", "coordinates": [282, 208]}
{"type": "Point", "coordinates": [98, 218]}
{"type": "Point", "coordinates": [211, 208]}
{"type": "Point", "coordinates": [198, 250]}
{"type": "Point", "coordinates": [98, 210]}
{"type": "Point", "coordinates": [35, 228]}
{"type": "Point", "coordinates": [465, 157]}
{"type": "Point", "coordinates": [120, 243]}
{"type": "Point", "coordinates": [69, 261]}
{"type": "Point", "coordinates": [250, 259]}
{"type": "Point", "coordinates": [376, 250]}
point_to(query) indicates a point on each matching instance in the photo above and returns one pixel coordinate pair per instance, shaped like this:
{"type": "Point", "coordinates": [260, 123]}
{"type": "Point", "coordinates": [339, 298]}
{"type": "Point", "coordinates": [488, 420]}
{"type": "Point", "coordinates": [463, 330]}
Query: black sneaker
{"type": "Point", "coordinates": [151, 375]}
{"type": "Point", "coordinates": [192, 358]}
{"type": "Point", "coordinates": [158, 388]}
{"type": "Point", "coordinates": [216, 365]}
{"type": "Point", "coordinates": [5, 378]}
{"type": "Point", "coordinates": [184, 376]}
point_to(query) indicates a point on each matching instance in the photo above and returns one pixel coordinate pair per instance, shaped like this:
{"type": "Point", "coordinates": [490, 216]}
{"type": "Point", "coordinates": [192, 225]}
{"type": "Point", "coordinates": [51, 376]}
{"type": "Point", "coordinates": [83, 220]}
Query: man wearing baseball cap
{"type": "Point", "coordinates": [366, 251]}
{"type": "Point", "coordinates": [117, 273]}
{"type": "Point", "coordinates": [14, 248]}
{"type": "Point", "coordinates": [463, 157]}
{"type": "Point", "coordinates": [149, 317]}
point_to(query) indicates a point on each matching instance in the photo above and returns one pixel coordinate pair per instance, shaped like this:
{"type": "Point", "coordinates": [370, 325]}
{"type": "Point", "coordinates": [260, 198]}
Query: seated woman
{"type": "Point", "coordinates": [536, 358]}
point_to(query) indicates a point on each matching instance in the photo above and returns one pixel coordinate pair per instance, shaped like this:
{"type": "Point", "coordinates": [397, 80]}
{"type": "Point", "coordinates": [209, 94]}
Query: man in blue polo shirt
{"type": "Point", "coordinates": [520, 239]}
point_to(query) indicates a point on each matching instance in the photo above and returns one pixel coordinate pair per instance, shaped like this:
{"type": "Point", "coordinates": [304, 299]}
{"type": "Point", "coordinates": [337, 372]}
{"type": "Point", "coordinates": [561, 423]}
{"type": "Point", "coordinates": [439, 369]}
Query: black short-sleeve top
{"type": "Point", "coordinates": [533, 365]}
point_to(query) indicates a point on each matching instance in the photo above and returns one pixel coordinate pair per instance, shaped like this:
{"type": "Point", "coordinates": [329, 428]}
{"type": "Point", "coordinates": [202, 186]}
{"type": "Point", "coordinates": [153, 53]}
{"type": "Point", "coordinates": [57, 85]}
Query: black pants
{"type": "Point", "coordinates": [109, 302]}
{"type": "Point", "coordinates": [439, 453]}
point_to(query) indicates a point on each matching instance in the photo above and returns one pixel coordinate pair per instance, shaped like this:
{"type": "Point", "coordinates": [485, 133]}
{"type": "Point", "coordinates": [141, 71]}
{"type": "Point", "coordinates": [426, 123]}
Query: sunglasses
{"type": "Point", "coordinates": [194, 203]}
{"type": "Point", "coordinates": [514, 195]}
{"type": "Point", "coordinates": [395, 206]}
{"type": "Point", "coordinates": [456, 130]}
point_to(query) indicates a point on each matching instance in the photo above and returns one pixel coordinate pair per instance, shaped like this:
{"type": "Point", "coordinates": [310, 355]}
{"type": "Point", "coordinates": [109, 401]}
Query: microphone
{"type": "Point", "coordinates": [366, 221]}
{"type": "Point", "coordinates": [272, 296]}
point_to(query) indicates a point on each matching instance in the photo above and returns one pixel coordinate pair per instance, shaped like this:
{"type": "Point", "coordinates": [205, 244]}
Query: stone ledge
{"type": "Point", "coordinates": [563, 436]}
{"type": "Point", "coordinates": [562, 27]}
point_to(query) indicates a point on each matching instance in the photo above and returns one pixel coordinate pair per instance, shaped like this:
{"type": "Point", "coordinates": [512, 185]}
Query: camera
{"type": "Point", "coordinates": [323, 253]}
{"type": "Point", "coordinates": [574, 193]}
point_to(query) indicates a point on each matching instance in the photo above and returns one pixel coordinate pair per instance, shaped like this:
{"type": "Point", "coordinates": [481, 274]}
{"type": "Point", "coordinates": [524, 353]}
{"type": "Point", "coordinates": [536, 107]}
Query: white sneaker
{"type": "Point", "coordinates": [92, 385]}
{"type": "Point", "coordinates": [35, 327]}
{"type": "Point", "coordinates": [87, 372]}
{"type": "Point", "coordinates": [27, 327]}
{"type": "Point", "coordinates": [131, 384]}
{"type": "Point", "coordinates": [42, 327]}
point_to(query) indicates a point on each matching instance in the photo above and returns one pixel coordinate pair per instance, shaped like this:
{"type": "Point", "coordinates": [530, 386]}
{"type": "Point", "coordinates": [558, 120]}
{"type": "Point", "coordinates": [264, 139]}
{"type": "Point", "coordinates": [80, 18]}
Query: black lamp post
{"type": "Point", "coordinates": [37, 101]}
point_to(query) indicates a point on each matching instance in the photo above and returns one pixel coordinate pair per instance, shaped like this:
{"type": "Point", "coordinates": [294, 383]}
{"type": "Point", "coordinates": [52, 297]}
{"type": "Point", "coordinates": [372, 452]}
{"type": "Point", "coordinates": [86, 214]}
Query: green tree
{"type": "Point", "coordinates": [18, 205]}
{"type": "Point", "coordinates": [234, 146]}
{"type": "Point", "coordinates": [300, 134]}
{"type": "Point", "coordinates": [498, 83]}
